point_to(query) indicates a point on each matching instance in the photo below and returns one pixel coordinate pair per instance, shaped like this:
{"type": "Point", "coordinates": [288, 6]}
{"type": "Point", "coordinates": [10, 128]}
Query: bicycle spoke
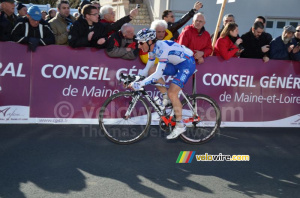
{"type": "Point", "coordinates": [121, 129]}
{"type": "Point", "coordinates": [204, 129]}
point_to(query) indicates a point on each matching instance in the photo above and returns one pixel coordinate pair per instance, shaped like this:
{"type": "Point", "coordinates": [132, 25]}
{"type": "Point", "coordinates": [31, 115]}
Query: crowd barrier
{"type": "Point", "coordinates": [60, 85]}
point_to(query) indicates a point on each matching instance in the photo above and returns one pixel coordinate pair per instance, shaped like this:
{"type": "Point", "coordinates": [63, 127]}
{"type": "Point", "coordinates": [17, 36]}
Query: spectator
{"type": "Point", "coordinates": [160, 26]}
{"type": "Point", "coordinates": [62, 22]}
{"type": "Point", "coordinates": [87, 32]}
{"type": "Point", "coordinates": [263, 20]}
{"type": "Point", "coordinates": [173, 26]}
{"type": "Point", "coordinates": [22, 10]}
{"type": "Point", "coordinates": [32, 30]}
{"type": "Point", "coordinates": [282, 46]}
{"type": "Point", "coordinates": [51, 14]}
{"type": "Point", "coordinates": [97, 5]}
{"type": "Point", "coordinates": [256, 43]}
{"type": "Point", "coordinates": [7, 19]}
{"type": "Point", "coordinates": [196, 38]}
{"type": "Point", "coordinates": [108, 16]}
{"type": "Point", "coordinates": [296, 42]}
{"type": "Point", "coordinates": [44, 14]}
{"type": "Point", "coordinates": [228, 18]}
{"type": "Point", "coordinates": [227, 45]}
{"type": "Point", "coordinates": [122, 44]}
{"type": "Point", "coordinates": [162, 33]}
{"type": "Point", "coordinates": [82, 4]}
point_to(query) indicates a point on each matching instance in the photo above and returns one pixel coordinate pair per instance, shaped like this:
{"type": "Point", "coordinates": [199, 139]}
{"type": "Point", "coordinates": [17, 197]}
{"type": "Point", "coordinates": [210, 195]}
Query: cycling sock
{"type": "Point", "coordinates": [180, 123]}
{"type": "Point", "coordinates": [165, 96]}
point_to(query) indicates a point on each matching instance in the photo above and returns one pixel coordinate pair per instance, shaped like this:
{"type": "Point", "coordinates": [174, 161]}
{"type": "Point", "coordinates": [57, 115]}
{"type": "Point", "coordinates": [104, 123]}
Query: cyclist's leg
{"type": "Point", "coordinates": [173, 95]}
{"type": "Point", "coordinates": [185, 70]}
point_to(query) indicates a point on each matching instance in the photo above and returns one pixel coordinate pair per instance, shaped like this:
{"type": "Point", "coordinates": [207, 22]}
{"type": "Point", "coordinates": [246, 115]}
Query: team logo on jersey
{"type": "Point", "coordinates": [160, 53]}
{"type": "Point", "coordinates": [186, 71]}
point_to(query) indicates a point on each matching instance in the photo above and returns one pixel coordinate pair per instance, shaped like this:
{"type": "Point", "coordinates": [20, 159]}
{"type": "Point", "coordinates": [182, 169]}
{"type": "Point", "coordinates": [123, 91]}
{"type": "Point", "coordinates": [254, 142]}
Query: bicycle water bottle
{"type": "Point", "coordinates": [158, 101]}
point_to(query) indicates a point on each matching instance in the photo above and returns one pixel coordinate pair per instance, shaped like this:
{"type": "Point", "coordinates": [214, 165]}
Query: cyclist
{"type": "Point", "coordinates": [174, 60]}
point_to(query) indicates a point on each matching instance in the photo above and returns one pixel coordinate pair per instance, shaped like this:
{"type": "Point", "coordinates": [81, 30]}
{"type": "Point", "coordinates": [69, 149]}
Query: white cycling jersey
{"type": "Point", "coordinates": [166, 52]}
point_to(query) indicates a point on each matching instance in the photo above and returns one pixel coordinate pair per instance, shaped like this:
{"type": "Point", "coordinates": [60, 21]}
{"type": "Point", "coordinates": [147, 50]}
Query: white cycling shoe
{"type": "Point", "coordinates": [176, 132]}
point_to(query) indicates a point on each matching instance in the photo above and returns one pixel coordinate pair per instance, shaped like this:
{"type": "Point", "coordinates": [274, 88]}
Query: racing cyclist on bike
{"type": "Point", "coordinates": [174, 60]}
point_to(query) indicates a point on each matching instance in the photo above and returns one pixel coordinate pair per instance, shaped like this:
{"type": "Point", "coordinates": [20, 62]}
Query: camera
{"type": "Point", "coordinates": [241, 47]}
{"type": "Point", "coordinates": [298, 43]}
{"type": "Point", "coordinates": [137, 6]}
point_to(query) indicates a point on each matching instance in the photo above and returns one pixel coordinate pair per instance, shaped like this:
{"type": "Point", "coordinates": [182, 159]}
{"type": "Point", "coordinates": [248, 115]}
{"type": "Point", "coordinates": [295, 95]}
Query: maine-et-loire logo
{"type": "Point", "coordinates": [185, 157]}
{"type": "Point", "coordinates": [4, 111]}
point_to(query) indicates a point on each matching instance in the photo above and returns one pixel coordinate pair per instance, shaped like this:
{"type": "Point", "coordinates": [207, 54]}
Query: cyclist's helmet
{"type": "Point", "coordinates": [145, 35]}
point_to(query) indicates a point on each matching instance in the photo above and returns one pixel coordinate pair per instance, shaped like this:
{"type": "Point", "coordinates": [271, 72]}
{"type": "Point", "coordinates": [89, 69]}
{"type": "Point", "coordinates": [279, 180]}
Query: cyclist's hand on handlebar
{"type": "Point", "coordinates": [135, 86]}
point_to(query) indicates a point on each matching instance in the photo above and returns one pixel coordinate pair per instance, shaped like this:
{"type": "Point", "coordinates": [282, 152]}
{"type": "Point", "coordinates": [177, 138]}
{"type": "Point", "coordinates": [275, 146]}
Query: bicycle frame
{"type": "Point", "coordinates": [160, 112]}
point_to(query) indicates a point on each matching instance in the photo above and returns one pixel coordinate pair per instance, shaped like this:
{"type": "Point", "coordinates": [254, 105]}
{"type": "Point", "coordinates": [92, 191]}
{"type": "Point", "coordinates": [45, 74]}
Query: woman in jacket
{"type": "Point", "coordinates": [228, 45]}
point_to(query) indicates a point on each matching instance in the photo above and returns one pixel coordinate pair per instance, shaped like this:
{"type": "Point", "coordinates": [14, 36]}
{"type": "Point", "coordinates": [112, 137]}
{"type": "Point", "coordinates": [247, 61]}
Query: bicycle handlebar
{"type": "Point", "coordinates": [127, 79]}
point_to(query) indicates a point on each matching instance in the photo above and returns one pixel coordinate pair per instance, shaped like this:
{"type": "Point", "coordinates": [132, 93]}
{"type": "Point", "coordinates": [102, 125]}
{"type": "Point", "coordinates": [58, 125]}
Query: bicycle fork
{"type": "Point", "coordinates": [131, 105]}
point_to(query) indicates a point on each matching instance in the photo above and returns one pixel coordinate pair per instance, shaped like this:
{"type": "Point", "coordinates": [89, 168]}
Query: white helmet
{"type": "Point", "coordinates": [145, 35]}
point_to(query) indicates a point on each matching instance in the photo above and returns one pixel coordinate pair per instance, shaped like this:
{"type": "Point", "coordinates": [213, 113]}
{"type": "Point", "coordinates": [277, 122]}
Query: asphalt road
{"type": "Point", "coordinates": [77, 161]}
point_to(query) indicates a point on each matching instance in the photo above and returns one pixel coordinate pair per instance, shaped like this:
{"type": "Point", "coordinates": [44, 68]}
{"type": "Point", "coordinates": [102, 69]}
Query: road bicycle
{"type": "Point", "coordinates": [125, 117]}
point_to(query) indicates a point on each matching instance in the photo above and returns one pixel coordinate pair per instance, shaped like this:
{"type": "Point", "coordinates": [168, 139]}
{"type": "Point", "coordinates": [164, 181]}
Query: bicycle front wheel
{"type": "Point", "coordinates": [202, 125]}
{"type": "Point", "coordinates": [124, 119]}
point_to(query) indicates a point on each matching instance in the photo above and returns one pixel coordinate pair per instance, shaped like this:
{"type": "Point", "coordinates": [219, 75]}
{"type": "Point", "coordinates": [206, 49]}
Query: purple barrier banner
{"type": "Point", "coordinates": [15, 70]}
{"type": "Point", "coordinates": [68, 86]}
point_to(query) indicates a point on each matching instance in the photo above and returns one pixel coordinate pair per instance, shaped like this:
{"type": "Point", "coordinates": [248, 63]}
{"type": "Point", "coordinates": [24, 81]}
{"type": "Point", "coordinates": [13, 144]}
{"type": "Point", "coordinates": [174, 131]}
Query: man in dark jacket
{"type": "Point", "coordinates": [282, 46]}
{"type": "Point", "coordinates": [7, 19]}
{"type": "Point", "coordinates": [32, 30]}
{"type": "Point", "coordinates": [108, 17]}
{"type": "Point", "coordinates": [256, 43]}
{"type": "Point", "coordinates": [88, 32]}
{"type": "Point", "coordinates": [122, 44]}
{"type": "Point", "coordinates": [296, 41]}
{"type": "Point", "coordinates": [173, 26]}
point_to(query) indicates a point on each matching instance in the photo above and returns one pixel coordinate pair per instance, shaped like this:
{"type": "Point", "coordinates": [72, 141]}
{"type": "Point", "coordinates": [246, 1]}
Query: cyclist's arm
{"type": "Point", "coordinates": [144, 72]}
{"type": "Point", "coordinates": [156, 75]}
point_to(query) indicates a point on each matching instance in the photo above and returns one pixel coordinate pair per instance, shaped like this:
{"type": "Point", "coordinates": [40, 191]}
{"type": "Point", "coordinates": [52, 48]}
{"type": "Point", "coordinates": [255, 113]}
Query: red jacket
{"type": "Point", "coordinates": [226, 48]}
{"type": "Point", "coordinates": [191, 38]}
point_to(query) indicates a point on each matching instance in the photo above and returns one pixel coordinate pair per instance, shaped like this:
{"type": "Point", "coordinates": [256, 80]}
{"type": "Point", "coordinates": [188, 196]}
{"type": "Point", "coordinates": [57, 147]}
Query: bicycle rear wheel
{"type": "Point", "coordinates": [118, 127]}
{"type": "Point", "coordinates": [204, 127]}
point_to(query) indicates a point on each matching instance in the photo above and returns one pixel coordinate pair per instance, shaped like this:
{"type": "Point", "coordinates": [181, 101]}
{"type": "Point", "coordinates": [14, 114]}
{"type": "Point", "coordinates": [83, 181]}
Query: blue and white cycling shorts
{"type": "Point", "coordinates": [181, 72]}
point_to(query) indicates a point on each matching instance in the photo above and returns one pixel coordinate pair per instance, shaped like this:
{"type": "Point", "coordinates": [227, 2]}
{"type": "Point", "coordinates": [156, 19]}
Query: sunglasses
{"type": "Point", "coordinates": [141, 43]}
{"type": "Point", "coordinates": [297, 30]}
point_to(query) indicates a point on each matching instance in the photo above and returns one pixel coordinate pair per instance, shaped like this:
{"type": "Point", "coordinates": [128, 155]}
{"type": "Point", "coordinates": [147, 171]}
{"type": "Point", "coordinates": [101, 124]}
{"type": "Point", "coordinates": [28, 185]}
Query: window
{"type": "Point", "coordinates": [295, 24]}
{"type": "Point", "coordinates": [275, 26]}
{"type": "Point", "coordinates": [280, 24]}
{"type": "Point", "coordinates": [269, 24]}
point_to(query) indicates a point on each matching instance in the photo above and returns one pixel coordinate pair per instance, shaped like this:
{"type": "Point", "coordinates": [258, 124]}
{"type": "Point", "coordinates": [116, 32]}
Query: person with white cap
{"type": "Point", "coordinates": [32, 30]}
{"type": "Point", "coordinates": [282, 46]}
